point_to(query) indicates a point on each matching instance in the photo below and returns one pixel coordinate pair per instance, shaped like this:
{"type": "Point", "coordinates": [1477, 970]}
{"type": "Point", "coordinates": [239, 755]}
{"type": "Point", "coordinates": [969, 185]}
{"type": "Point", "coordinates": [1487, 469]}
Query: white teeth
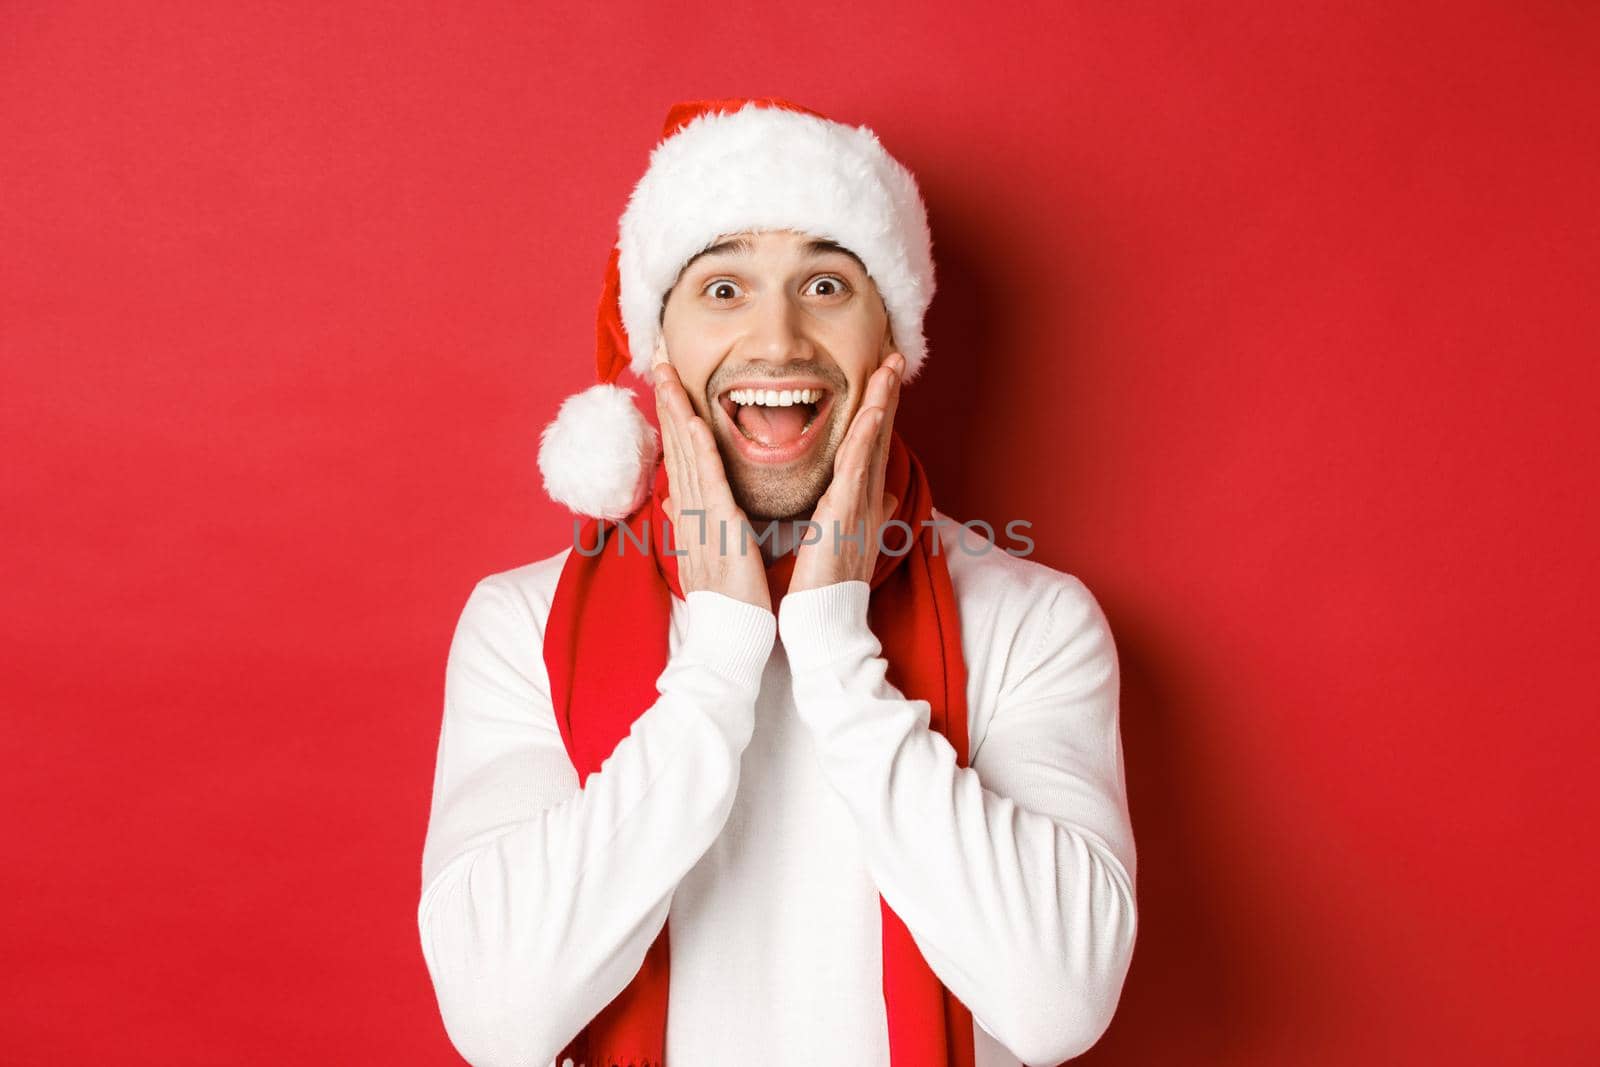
{"type": "Point", "coordinates": [775, 398]}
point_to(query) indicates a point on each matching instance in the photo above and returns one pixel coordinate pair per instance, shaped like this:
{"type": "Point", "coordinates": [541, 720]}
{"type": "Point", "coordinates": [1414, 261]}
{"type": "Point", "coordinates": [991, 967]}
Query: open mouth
{"type": "Point", "coordinates": [776, 420]}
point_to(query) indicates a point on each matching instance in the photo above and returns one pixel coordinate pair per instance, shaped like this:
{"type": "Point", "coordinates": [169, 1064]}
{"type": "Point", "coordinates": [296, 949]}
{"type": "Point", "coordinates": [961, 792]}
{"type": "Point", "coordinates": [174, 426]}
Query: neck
{"type": "Point", "coordinates": [785, 535]}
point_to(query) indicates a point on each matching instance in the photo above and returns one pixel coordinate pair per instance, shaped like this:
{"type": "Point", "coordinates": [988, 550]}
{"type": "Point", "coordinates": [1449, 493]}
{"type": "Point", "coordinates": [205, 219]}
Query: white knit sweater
{"type": "Point", "coordinates": [775, 788]}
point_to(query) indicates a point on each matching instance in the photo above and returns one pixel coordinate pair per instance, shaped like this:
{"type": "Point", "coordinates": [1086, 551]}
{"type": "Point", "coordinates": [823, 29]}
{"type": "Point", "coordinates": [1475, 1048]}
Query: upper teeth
{"type": "Point", "coordinates": [775, 398]}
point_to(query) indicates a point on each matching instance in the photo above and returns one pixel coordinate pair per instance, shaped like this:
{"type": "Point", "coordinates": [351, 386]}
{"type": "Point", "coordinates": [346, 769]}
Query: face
{"type": "Point", "coordinates": [776, 310]}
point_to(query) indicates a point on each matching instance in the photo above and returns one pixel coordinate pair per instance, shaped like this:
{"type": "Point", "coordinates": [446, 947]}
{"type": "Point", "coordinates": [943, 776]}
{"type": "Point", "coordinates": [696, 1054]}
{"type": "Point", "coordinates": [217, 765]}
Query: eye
{"type": "Point", "coordinates": [829, 285]}
{"type": "Point", "coordinates": [718, 289]}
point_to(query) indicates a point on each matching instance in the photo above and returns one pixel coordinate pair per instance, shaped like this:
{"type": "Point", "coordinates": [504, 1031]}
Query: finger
{"type": "Point", "coordinates": [867, 423]}
{"type": "Point", "coordinates": [857, 507]}
{"type": "Point", "coordinates": [669, 439]}
{"type": "Point", "coordinates": [719, 497]}
{"type": "Point", "coordinates": [679, 480]}
{"type": "Point", "coordinates": [893, 395]}
{"type": "Point", "coordinates": [684, 413]}
{"type": "Point", "coordinates": [873, 401]}
{"type": "Point", "coordinates": [701, 454]}
{"type": "Point", "coordinates": [847, 491]}
{"type": "Point", "coordinates": [674, 512]}
{"type": "Point", "coordinates": [676, 403]}
{"type": "Point", "coordinates": [880, 455]}
{"type": "Point", "coordinates": [714, 477]}
{"type": "Point", "coordinates": [878, 386]}
{"type": "Point", "coordinates": [851, 466]}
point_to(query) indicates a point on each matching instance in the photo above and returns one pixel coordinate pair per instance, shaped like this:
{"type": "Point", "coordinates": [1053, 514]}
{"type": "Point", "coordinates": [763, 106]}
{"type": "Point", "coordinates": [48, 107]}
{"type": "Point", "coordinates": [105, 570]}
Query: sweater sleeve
{"type": "Point", "coordinates": [539, 899]}
{"type": "Point", "coordinates": [1015, 875]}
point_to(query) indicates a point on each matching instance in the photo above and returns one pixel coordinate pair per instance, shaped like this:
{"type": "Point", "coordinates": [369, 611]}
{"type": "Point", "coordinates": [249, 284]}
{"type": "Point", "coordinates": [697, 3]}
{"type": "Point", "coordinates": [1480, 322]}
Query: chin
{"type": "Point", "coordinates": [794, 497]}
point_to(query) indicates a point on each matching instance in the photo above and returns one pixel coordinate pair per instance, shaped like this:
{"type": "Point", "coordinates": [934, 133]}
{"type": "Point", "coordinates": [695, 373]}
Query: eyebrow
{"type": "Point", "coordinates": [742, 246]}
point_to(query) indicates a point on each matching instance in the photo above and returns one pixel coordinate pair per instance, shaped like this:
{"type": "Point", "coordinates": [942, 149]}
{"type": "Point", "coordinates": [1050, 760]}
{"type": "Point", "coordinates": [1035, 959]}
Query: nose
{"type": "Point", "coordinates": [777, 330]}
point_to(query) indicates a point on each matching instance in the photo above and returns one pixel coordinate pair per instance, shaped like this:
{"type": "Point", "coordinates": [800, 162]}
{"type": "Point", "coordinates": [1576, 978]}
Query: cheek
{"type": "Point", "coordinates": [856, 341]}
{"type": "Point", "coordinates": [695, 368]}
{"type": "Point", "coordinates": [694, 383]}
{"type": "Point", "coordinates": [694, 353]}
{"type": "Point", "coordinates": [857, 348]}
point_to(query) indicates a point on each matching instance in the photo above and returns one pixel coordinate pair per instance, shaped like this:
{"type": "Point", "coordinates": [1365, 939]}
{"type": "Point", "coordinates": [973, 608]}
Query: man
{"type": "Point", "coordinates": [764, 792]}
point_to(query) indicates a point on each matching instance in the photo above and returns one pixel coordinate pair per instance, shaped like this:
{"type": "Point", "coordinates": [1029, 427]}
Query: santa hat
{"type": "Point", "coordinates": [722, 167]}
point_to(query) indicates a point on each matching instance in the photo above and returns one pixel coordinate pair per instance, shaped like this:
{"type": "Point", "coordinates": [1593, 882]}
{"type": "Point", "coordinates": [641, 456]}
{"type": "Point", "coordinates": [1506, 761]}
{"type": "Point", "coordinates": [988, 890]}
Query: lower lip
{"type": "Point", "coordinates": [756, 452]}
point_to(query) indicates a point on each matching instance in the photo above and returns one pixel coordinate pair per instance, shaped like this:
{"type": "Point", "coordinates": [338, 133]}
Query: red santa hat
{"type": "Point", "coordinates": [723, 167]}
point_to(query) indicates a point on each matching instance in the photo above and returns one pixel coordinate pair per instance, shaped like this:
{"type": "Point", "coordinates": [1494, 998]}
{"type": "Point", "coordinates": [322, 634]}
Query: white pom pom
{"type": "Point", "coordinates": [599, 453]}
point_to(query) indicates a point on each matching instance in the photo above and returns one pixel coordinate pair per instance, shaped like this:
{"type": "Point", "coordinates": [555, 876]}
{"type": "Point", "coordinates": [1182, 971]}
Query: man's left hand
{"type": "Point", "coordinates": [854, 504]}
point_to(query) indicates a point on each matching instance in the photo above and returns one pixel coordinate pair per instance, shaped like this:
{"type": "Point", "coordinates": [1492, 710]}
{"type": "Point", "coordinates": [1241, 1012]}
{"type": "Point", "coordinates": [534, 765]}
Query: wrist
{"type": "Point", "coordinates": [731, 636]}
{"type": "Point", "coordinates": [826, 623]}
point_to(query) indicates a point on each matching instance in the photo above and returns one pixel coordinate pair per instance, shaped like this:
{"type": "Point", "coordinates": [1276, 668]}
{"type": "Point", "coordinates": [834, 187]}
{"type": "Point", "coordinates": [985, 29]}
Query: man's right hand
{"type": "Point", "coordinates": [699, 492]}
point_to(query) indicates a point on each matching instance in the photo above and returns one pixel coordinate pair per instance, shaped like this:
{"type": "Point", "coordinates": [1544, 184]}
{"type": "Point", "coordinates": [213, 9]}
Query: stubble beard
{"type": "Point", "coordinates": [767, 494]}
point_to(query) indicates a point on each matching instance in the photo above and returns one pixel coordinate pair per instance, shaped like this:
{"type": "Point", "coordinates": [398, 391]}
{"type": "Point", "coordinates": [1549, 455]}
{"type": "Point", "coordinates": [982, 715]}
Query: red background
{"type": "Point", "coordinates": [1277, 321]}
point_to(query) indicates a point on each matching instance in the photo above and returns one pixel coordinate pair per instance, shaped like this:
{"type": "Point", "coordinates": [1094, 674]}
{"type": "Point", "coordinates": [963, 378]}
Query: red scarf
{"type": "Point", "coordinates": [606, 643]}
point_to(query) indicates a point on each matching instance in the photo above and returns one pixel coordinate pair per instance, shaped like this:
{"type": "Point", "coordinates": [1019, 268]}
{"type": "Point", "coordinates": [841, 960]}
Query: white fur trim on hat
{"type": "Point", "coordinates": [599, 453]}
{"type": "Point", "coordinates": [769, 168]}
